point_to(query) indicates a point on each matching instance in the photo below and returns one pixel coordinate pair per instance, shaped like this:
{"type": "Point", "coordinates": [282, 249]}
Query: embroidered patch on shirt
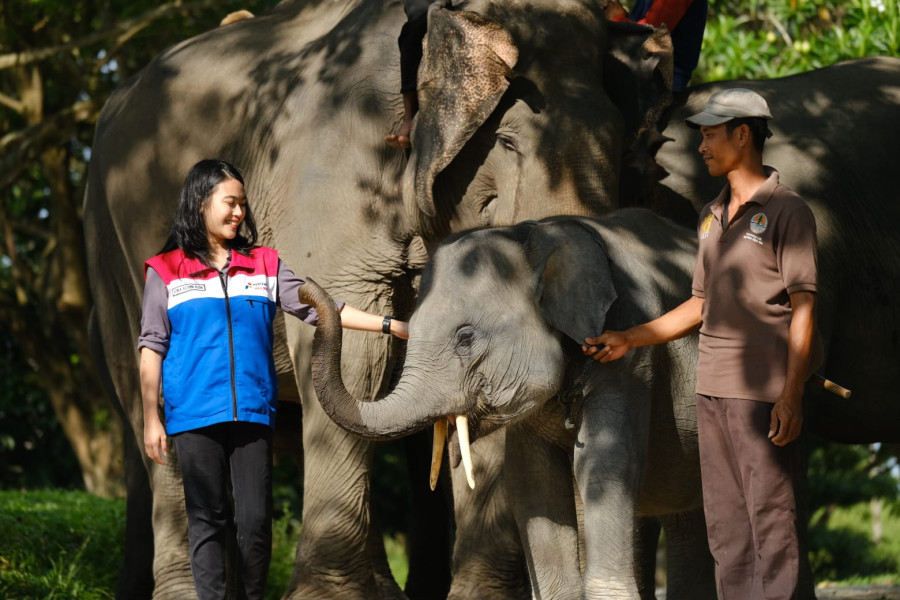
{"type": "Point", "coordinates": [758, 223]}
{"type": "Point", "coordinates": [190, 287]}
{"type": "Point", "coordinates": [705, 227]}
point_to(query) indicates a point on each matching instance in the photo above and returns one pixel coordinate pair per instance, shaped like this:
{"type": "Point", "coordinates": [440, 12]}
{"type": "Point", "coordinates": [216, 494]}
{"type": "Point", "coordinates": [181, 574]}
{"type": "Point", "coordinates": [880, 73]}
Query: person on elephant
{"type": "Point", "coordinates": [685, 19]}
{"type": "Point", "coordinates": [753, 299]}
{"type": "Point", "coordinates": [207, 333]}
{"type": "Point", "coordinates": [410, 41]}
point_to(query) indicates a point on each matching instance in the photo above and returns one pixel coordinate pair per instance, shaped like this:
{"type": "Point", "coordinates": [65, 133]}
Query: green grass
{"type": "Point", "coordinates": [844, 551]}
{"type": "Point", "coordinates": [62, 545]}
{"type": "Point", "coordinates": [57, 545]}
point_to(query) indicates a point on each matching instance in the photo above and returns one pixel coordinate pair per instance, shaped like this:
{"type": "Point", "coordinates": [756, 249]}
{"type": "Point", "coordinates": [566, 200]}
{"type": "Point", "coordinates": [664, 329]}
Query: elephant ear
{"type": "Point", "coordinates": [466, 62]}
{"type": "Point", "coordinates": [575, 287]}
{"type": "Point", "coordinates": [637, 74]}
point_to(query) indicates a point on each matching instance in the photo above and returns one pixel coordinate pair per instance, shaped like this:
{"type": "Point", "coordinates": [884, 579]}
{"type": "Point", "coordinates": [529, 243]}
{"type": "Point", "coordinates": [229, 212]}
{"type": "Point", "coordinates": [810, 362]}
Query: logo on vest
{"type": "Point", "coordinates": [190, 287]}
{"type": "Point", "coordinates": [259, 286]}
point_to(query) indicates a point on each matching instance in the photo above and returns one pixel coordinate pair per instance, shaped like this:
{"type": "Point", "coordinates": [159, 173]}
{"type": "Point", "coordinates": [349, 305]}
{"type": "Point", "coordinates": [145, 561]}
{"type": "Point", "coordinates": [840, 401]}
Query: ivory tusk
{"type": "Point", "coordinates": [462, 429]}
{"type": "Point", "coordinates": [437, 451]}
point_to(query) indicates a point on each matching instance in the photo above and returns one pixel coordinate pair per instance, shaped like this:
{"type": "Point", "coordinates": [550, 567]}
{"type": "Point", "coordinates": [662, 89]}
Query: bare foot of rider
{"type": "Point", "coordinates": [410, 107]}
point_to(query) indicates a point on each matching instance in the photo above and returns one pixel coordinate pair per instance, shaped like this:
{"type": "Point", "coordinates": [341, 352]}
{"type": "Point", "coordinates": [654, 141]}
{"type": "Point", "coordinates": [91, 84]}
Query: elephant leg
{"type": "Point", "coordinates": [136, 578]}
{"type": "Point", "coordinates": [171, 562]}
{"type": "Point", "coordinates": [645, 548]}
{"type": "Point", "coordinates": [690, 569]}
{"type": "Point", "coordinates": [610, 454]}
{"type": "Point", "coordinates": [333, 559]}
{"type": "Point", "coordinates": [539, 486]}
{"type": "Point", "coordinates": [488, 562]}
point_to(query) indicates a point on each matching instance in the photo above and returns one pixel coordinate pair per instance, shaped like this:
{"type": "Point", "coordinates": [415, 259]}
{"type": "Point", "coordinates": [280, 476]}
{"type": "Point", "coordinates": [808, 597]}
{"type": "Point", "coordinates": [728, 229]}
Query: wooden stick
{"type": "Point", "coordinates": [830, 386]}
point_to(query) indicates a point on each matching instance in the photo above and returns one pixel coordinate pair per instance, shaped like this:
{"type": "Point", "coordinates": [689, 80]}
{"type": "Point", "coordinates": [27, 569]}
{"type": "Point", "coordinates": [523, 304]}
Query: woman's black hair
{"type": "Point", "coordinates": [759, 130]}
{"type": "Point", "coordinates": [189, 231]}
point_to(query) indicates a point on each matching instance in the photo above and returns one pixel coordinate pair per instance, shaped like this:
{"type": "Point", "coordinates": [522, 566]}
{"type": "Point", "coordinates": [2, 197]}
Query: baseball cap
{"type": "Point", "coordinates": [734, 103]}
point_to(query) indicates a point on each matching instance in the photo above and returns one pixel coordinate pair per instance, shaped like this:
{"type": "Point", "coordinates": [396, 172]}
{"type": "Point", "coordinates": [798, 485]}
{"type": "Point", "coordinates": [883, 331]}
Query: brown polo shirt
{"type": "Point", "coordinates": [746, 272]}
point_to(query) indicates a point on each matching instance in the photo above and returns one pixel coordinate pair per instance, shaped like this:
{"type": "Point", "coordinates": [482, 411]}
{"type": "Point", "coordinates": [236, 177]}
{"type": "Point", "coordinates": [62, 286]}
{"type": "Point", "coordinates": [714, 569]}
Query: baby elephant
{"type": "Point", "coordinates": [496, 341]}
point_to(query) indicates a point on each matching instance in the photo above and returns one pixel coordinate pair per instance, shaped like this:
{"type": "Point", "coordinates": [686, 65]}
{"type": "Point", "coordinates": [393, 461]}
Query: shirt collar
{"type": "Point", "coordinates": [235, 260]}
{"type": "Point", "coordinates": [761, 197]}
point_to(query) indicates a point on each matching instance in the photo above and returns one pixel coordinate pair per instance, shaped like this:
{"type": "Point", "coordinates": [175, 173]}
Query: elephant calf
{"type": "Point", "coordinates": [496, 338]}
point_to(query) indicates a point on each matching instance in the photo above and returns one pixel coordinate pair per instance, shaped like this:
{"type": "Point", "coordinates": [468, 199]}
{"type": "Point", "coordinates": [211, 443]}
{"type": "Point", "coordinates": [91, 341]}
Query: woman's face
{"type": "Point", "coordinates": [225, 211]}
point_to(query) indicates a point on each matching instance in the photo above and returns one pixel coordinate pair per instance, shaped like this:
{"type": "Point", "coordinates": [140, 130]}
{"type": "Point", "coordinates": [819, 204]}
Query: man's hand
{"type": "Point", "coordinates": [155, 440]}
{"type": "Point", "coordinates": [786, 421]}
{"type": "Point", "coordinates": [615, 345]}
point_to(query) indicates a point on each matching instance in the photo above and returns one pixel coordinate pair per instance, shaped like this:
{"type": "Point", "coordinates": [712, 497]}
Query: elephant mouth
{"type": "Point", "coordinates": [466, 429]}
{"type": "Point", "coordinates": [459, 446]}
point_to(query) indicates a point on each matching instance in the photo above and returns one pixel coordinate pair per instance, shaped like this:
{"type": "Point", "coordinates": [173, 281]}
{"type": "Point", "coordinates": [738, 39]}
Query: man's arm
{"type": "Point", "coordinates": [154, 432]}
{"type": "Point", "coordinates": [675, 324]}
{"type": "Point", "coordinates": [787, 414]}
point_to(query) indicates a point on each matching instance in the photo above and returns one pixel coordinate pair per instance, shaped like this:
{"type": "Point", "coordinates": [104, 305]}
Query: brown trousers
{"type": "Point", "coordinates": [749, 500]}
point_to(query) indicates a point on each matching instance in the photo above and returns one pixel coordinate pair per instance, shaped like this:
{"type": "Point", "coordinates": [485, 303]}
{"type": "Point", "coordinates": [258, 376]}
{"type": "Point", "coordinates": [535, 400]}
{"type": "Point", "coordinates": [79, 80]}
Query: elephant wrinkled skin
{"type": "Point", "coordinates": [496, 337]}
{"type": "Point", "coordinates": [514, 124]}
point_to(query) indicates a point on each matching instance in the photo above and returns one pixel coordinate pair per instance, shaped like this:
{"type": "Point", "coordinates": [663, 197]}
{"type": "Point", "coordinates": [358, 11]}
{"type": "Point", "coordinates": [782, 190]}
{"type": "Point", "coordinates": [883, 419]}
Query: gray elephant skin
{"type": "Point", "coordinates": [514, 124]}
{"type": "Point", "coordinates": [496, 338]}
{"type": "Point", "coordinates": [835, 135]}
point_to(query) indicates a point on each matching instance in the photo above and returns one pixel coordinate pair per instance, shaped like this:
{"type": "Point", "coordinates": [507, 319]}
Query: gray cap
{"type": "Point", "coordinates": [734, 103]}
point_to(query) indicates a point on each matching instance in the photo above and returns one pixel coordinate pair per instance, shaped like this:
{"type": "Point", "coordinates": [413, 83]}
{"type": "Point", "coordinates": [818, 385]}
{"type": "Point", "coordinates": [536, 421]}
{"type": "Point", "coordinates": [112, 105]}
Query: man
{"type": "Point", "coordinates": [754, 294]}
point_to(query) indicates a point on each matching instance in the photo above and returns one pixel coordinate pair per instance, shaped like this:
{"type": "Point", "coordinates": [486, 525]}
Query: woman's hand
{"type": "Point", "coordinates": [155, 440]}
{"type": "Point", "coordinates": [400, 329]}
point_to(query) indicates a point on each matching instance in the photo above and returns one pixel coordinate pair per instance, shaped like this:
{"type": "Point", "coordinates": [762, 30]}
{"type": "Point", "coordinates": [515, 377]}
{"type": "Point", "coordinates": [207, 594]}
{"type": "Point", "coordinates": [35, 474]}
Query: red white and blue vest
{"type": "Point", "coordinates": [219, 366]}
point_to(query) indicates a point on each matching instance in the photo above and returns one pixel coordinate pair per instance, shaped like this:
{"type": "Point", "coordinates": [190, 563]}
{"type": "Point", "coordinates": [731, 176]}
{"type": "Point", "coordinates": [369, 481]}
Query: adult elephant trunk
{"type": "Point", "coordinates": [404, 411]}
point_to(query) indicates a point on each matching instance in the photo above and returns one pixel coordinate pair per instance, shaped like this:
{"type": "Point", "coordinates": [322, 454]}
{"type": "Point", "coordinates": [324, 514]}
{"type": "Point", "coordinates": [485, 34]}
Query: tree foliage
{"type": "Point", "coordinates": [756, 39]}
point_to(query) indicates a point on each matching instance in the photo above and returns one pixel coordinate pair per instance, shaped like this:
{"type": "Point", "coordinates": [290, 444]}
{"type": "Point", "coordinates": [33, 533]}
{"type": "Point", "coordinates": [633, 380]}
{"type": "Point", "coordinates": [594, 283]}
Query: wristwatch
{"type": "Point", "coordinates": [386, 325]}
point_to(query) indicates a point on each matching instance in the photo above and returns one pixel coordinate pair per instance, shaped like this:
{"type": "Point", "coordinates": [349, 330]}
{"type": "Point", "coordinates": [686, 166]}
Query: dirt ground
{"type": "Point", "coordinates": [867, 592]}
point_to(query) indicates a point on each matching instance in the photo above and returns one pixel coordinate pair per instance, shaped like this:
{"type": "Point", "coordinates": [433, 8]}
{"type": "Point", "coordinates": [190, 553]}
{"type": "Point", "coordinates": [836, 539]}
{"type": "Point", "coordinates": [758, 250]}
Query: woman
{"type": "Point", "coordinates": [206, 332]}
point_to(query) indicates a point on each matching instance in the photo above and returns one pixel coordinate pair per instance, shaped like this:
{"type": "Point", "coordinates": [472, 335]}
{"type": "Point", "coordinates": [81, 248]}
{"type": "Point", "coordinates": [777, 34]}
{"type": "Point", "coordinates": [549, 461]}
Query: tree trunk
{"type": "Point", "coordinates": [49, 322]}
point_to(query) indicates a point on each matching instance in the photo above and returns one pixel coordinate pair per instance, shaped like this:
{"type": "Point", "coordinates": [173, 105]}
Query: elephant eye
{"type": "Point", "coordinates": [507, 142]}
{"type": "Point", "coordinates": [465, 338]}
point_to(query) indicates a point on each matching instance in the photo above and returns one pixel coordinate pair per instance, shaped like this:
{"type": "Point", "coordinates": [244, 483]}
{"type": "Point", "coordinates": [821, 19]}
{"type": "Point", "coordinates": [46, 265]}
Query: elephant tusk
{"type": "Point", "coordinates": [462, 429]}
{"type": "Point", "coordinates": [437, 451]}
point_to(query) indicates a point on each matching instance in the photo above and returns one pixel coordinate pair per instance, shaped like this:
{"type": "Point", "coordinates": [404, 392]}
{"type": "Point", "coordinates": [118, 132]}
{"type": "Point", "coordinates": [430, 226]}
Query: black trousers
{"type": "Point", "coordinates": [410, 41]}
{"type": "Point", "coordinates": [209, 457]}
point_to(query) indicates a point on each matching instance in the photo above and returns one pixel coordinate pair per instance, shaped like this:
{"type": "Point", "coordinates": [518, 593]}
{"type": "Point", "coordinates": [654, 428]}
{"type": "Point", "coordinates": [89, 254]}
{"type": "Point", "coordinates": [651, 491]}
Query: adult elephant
{"type": "Point", "coordinates": [835, 133]}
{"type": "Point", "coordinates": [496, 338]}
{"type": "Point", "coordinates": [514, 123]}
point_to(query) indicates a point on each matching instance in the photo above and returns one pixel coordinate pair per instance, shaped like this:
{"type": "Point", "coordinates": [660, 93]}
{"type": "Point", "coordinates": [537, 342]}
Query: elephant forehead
{"type": "Point", "coordinates": [484, 254]}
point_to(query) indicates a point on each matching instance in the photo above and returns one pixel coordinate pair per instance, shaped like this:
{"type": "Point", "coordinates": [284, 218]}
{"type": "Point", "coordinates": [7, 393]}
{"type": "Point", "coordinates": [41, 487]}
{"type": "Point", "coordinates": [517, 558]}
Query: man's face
{"type": "Point", "coordinates": [721, 152]}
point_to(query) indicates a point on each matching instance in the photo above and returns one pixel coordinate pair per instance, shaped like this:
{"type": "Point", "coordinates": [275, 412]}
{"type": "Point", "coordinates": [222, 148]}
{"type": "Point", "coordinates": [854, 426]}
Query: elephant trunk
{"type": "Point", "coordinates": [402, 412]}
